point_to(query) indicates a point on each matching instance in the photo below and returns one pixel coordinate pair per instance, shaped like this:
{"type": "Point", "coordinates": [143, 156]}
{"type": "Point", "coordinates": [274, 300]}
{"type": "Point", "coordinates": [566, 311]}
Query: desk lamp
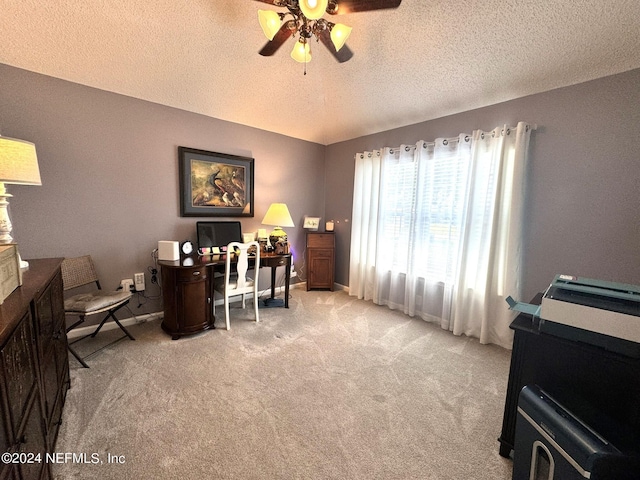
{"type": "Point", "coordinates": [18, 165]}
{"type": "Point", "coordinates": [278, 216]}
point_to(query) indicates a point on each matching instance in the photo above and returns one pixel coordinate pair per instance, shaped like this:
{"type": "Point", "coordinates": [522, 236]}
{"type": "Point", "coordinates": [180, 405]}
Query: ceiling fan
{"type": "Point", "coordinates": [304, 18]}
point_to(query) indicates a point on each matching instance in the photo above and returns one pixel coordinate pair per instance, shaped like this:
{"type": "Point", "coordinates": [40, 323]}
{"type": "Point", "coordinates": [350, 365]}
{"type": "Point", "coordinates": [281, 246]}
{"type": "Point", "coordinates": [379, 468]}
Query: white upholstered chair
{"type": "Point", "coordinates": [235, 281]}
{"type": "Point", "coordinates": [80, 271]}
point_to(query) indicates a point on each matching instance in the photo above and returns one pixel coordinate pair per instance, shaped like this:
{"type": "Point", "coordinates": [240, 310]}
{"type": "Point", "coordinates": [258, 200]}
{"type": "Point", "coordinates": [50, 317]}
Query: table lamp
{"type": "Point", "coordinates": [18, 165]}
{"type": "Point", "coordinates": [278, 216]}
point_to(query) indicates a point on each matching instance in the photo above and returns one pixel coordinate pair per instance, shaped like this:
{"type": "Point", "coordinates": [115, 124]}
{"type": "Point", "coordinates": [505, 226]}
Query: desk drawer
{"type": "Point", "coordinates": [191, 274]}
{"type": "Point", "coordinates": [320, 240]}
{"type": "Point", "coordinates": [273, 260]}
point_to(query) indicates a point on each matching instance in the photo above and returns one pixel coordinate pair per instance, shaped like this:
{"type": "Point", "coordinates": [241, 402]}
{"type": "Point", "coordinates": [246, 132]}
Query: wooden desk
{"type": "Point", "coordinates": [274, 261]}
{"type": "Point", "coordinates": [187, 290]}
{"type": "Point", "coordinates": [600, 387]}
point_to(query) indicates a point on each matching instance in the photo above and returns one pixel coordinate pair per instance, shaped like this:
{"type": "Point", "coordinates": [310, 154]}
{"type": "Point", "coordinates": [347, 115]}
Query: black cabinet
{"type": "Point", "coordinates": [600, 387]}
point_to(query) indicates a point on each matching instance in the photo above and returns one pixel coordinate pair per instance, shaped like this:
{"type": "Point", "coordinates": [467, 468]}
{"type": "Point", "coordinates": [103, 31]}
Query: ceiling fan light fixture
{"type": "Point", "coordinates": [339, 35]}
{"type": "Point", "coordinates": [313, 9]}
{"type": "Point", "coordinates": [301, 52]}
{"type": "Point", "coordinates": [270, 22]}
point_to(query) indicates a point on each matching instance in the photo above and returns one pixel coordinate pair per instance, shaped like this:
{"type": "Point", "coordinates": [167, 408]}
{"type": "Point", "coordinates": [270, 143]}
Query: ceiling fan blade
{"type": "Point", "coordinates": [342, 55]}
{"type": "Point", "coordinates": [282, 36]}
{"type": "Point", "coordinates": [272, 2]}
{"type": "Point", "coordinates": [353, 6]}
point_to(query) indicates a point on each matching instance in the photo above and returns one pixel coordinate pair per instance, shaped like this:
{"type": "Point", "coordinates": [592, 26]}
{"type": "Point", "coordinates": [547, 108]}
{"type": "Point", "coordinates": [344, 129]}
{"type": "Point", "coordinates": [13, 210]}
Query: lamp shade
{"type": "Point", "coordinates": [339, 35]}
{"type": "Point", "coordinates": [278, 215]}
{"type": "Point", "coordinates": [270, 22]}
{"type": "Point", "coordinates": [18, 162]}
{"type": "Point", "coordinates": [313, 9]}
{"type": "Point", "coordinates": [301, 52]}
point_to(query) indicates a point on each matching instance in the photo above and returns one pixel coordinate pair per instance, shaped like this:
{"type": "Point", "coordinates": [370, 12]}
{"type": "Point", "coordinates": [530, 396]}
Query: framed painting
{"type": "Point", "coordinates": [215, 184]}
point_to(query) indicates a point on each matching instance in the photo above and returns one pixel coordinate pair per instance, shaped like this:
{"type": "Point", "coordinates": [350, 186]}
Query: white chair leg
{"type": "Point", "coordinates": [226, 312]}
{"type": "Point", "coordinates": [255, 307]}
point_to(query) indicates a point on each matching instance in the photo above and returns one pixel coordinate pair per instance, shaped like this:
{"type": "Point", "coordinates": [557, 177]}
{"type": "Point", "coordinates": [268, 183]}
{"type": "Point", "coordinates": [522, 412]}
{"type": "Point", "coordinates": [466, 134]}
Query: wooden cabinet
{"type": "Point", "coordinates": [34, 369]}
{"type": "Point", "coordinates": [321, 248]}
{"type": "Point", "coordinates": [53, 352]}
{"type": "Point", "coordinates": [186, 294]}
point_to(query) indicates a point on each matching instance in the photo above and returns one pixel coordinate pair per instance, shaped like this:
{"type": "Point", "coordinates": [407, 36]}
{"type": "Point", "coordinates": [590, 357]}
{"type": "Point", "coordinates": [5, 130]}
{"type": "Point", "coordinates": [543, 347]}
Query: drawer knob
{"type": "Point", "coordinates": [196, 273]}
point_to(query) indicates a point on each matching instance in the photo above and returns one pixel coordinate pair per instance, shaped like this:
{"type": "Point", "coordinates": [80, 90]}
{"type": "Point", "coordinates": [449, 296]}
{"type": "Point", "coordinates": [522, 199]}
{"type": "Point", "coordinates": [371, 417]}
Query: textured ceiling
{"type": "Point", "coordinates": [424, 60]}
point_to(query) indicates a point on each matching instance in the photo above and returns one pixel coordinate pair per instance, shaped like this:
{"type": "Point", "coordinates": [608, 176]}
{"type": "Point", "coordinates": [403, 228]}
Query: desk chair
{"type": "Point", "coordinates": [80, 271]}
{"type": "Point", "coordinates": [237, 283]}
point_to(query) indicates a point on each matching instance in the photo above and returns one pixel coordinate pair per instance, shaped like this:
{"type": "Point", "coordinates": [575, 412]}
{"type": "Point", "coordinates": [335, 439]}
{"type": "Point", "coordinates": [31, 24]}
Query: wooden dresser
{"type": "Point", "coordinates": [34, 371]}
{"type": "Point", "coordinates": [321, 257]}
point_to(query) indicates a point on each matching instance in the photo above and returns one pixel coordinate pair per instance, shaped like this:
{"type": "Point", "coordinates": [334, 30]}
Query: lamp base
{"type": "Point", "coordinates": [277, 235]}
{"type": "Point", "coordinates": [5, 221]}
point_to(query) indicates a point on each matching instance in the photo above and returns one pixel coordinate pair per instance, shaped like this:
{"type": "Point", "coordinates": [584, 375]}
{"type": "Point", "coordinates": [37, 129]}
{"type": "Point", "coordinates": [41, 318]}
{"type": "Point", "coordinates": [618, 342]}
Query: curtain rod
{"type": "Point", "coordinates": [445, 141]}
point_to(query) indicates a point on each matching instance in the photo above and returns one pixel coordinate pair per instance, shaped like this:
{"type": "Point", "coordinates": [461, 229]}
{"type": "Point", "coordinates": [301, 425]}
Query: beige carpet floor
{"type": "Point", "coordinates": [332, 388]}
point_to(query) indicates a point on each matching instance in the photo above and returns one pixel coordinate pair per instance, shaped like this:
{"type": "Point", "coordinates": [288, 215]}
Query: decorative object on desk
{"type": "Point", "coordinates": [168, 250]}
{"type": "Point", "coordinates": [278, 216]}
{"type": "Point", "coordinates": [263, 239]}
{"type": "Point", "coordinates": [281, 247]}
{"type": "Point", "coordinates": [306, 21]}
{"type": "Point", "coordinates": [215, 184]}
{"type": "Point", "coordinates": [311, 223]}
{"type": "Point", "coordinates": [187, 248]}
{"type": "Point", "coordinates": [18, 165]}
{"type": "Point", "coordinates": [329, 226]}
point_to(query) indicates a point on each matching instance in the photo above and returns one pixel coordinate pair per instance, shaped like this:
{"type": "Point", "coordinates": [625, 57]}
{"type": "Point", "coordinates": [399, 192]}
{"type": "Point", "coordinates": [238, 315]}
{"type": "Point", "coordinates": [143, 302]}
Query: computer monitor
{"type": "Point", "coordinates": [217, 235]}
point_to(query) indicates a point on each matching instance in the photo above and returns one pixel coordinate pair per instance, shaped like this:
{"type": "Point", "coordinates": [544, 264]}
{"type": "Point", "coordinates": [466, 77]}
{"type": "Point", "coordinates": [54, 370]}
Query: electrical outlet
{"type": "Point", "coordinates": [126, 284]}
{"type": "Point", "coordinates": [139, 281]}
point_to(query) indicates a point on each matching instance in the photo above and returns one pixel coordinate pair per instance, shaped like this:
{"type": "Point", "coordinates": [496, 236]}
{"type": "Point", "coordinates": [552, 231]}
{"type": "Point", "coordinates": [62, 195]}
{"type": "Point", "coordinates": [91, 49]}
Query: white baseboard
{"type": "Point", "coordinates": [146, 317]}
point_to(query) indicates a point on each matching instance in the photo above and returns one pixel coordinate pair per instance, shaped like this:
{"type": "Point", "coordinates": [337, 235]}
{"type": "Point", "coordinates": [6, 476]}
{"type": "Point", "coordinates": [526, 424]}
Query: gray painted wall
{"type": "Point", "coordinates": [583, 204]}
{"type": "Point", "coordinates": [109, 168]}
{"type": "Point", "coordinates": [110, 175]}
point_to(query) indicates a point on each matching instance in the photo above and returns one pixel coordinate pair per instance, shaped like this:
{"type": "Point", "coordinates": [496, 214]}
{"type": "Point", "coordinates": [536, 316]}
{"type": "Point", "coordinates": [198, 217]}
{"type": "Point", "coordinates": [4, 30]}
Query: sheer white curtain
{"type": "Point", "coordinates": [437, 230]}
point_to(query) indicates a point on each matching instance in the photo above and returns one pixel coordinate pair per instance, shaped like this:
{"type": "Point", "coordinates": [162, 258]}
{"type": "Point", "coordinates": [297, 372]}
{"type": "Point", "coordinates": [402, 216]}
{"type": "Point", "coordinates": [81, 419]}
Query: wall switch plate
{"type": "Point", "coordinates": [138, 278]}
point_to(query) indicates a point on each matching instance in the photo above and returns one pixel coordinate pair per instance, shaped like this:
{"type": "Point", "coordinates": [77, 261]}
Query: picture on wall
{"type": "Point", "coordinates": [215, 184]}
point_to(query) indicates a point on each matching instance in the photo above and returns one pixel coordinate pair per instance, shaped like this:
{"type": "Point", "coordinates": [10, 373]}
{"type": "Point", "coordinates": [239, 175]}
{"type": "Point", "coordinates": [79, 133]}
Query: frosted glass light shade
{"type": "Point", "coordinates": [313, 9]}
{"type": "Point", "coordinates": [339, 35]}
{"type": "Point", "coordinates": [301, 52]}
{"type": "Point", "coordinates": [270, 22]}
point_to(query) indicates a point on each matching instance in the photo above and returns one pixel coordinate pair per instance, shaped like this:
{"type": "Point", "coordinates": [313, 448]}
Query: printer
{"type": "Point", "coordinates": [597, 312]}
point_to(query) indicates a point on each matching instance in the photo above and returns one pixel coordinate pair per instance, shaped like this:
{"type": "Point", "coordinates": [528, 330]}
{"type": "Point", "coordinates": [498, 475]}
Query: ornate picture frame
{"type": "Point", "coordinates": [215, 184]}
